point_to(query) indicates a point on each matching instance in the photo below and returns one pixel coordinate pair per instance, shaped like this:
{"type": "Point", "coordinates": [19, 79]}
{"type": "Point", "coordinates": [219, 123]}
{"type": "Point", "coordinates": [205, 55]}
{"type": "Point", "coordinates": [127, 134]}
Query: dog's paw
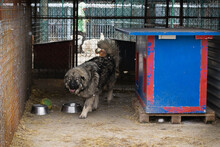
{"type": "Point", "coordinates": [94, 109]}
{"type": "Point", "coordinates": [82, 117]}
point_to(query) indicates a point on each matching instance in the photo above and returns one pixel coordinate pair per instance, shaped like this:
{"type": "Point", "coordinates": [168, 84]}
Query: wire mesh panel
{"type": "Point", "coordinates": [188, 13]}
{"type": "Point", "coordinates": [202, 14]}
{"type": "Point", "coordinates": [15, 65]}
{"type": "Point", "coordinates": [106, 15]}
{"type": "Point", "coordinates": [53, 20]}
{"type": "Point", "coordinates": [156, 13]}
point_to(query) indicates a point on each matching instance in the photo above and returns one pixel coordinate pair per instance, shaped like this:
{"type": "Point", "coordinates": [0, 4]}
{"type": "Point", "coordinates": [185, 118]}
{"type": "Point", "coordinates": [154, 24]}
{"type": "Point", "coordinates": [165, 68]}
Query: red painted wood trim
{"type": "Point", "coordinates": [144, 75]}
{"type": "Point", "coordinates": [150, 69]}
{"type": "Point", "coordinates": [183, 109]}
{"type": "Point", "coordinates": [203, 72]}
{"type": "Point", "coordinates": [137, 68]}
{"type": "Point", "coordinates": [204, 37]}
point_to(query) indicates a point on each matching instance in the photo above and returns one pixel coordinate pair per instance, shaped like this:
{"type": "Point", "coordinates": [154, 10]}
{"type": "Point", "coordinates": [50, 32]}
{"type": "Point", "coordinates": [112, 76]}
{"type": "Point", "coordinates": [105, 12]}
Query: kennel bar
{"type": "Point", "coordinates": [171, 69]}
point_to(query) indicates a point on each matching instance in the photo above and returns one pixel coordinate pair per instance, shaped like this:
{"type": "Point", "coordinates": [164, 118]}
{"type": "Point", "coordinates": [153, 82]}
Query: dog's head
{"type": "Point", "coordinates": [76, 80]}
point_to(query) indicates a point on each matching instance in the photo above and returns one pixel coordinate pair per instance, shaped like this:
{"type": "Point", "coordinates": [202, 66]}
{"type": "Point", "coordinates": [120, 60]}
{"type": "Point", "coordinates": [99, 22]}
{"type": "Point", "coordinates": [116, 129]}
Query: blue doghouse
{"type": "Point", "coordinates": [171, 69]}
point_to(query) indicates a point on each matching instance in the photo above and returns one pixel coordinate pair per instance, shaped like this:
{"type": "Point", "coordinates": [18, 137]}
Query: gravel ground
{"type": "Point", "coordinates": [113, 125]}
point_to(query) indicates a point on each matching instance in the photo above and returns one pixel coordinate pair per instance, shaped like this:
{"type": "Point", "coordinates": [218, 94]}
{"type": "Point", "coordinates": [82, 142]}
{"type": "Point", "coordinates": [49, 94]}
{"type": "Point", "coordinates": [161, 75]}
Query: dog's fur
{"type": "Point", "coordinates": [89, 79]}
{"type": "Point", "coordinates": [90, 45]}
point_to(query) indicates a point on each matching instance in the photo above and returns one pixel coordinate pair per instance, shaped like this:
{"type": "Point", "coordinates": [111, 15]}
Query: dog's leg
{"type": "Point", "coordinates": [87, 107]}
{"type": "Point", "coordinates": [96, 102]}
{"type": "Point", "coordinates": [109, 95]}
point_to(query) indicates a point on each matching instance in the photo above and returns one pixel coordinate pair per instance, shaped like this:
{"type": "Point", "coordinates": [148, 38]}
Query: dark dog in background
{"type": "Point", "coordinates": [89, 79]}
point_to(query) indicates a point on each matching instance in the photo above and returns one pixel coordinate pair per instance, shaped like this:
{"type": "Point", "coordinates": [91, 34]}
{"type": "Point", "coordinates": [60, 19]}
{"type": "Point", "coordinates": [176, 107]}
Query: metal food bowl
{"type": "Point", "coordinates": [39, 109]}
{"type": "Point", "coordinates": [71, 108]}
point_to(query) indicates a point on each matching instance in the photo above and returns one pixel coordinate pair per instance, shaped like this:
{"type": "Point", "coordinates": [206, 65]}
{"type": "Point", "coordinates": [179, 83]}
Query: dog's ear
{"type": "Point", "coordinates": [83, 78]}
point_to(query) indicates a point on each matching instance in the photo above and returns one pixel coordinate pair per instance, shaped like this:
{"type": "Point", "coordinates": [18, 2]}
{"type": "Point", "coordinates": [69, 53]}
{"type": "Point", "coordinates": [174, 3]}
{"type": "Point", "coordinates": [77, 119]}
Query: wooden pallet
{"type": "Point", "coordinates": [144, 117]}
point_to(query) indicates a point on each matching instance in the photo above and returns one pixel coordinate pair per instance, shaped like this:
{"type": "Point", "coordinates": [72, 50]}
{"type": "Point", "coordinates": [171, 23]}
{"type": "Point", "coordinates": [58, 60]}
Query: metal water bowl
{"type": "Point", "coordinates": [71, 108]}
{"type": "Point", "coordinates": [39, 109]}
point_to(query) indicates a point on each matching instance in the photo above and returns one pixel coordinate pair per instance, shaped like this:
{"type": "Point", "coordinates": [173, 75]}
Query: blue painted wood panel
{"type": "Point", "coordinates": [177, 71]}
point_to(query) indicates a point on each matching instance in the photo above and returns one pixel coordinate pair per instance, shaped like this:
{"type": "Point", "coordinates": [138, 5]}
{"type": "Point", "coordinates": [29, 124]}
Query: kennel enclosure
{"type": "Point", "coordinates": [47, 23]}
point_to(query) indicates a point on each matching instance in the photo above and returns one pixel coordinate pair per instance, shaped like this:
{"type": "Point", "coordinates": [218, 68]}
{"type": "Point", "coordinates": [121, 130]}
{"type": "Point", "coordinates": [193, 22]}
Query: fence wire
{"type": "Point", "coordinates": [15, 65]}
{"type": "Point", "coordinates": [53, 20]}
{"type": "Point", "coordinates": [201, 10]}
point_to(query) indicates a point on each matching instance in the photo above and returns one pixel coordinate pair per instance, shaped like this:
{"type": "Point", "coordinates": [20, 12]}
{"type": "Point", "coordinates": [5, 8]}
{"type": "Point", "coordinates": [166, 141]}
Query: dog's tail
{"type": "Point", "coordinates": [111, 49]}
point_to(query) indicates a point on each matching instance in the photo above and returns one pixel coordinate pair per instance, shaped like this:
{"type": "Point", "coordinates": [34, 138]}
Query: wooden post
{"type": "Point", "coordinates": [175, 119]}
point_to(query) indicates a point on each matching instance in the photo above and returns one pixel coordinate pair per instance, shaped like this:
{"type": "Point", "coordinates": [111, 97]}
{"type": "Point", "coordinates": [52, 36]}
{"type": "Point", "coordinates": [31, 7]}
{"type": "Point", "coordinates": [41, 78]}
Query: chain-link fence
{"type": "Point", "coordinates": [187, 13]}
{"type": "Point", "coordinates": [53, 20]}
{"type": "Point", "coordinates": [202, 14]}
{"type": "Point", "coordinates": [116, 14]}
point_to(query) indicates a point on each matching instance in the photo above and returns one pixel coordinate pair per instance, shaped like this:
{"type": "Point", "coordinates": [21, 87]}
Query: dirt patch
{"type": "Point", "coordinates": [111, 125]}
{"type": "Point", "coordinates": [20, 137]}
{"type": "Point", "coordinates": [110, 142]}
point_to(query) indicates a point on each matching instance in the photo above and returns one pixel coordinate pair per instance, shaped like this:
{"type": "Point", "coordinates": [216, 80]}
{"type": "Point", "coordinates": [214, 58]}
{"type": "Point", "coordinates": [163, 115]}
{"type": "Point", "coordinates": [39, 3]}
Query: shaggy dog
{"type": "Point", "coordinates": [89, 79]}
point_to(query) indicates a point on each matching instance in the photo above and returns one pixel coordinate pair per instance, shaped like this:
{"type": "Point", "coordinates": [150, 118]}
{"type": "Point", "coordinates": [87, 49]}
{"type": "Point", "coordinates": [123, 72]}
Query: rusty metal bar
{"type": "Point", "coordinates": [74, 36]}
{"type": "Point", "coordinates": [35, 17]}
{"type": "Point", "coordinates": [135, 17]}
{"type": "Point", "coordinates": [146, 14]}
{"type": "Point", "coordinates": [167, 14]}
{"type": "Point", "coordinates": [75, 32]}
{"type": "Point", "coordinates": [181, 12]}
{"type": "Point", "coordinates": [76, 18]}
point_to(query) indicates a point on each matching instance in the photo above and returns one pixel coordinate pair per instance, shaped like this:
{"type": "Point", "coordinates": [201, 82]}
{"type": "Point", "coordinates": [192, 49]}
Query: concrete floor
{"type": "Point", "coordinates": [111, 125]}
